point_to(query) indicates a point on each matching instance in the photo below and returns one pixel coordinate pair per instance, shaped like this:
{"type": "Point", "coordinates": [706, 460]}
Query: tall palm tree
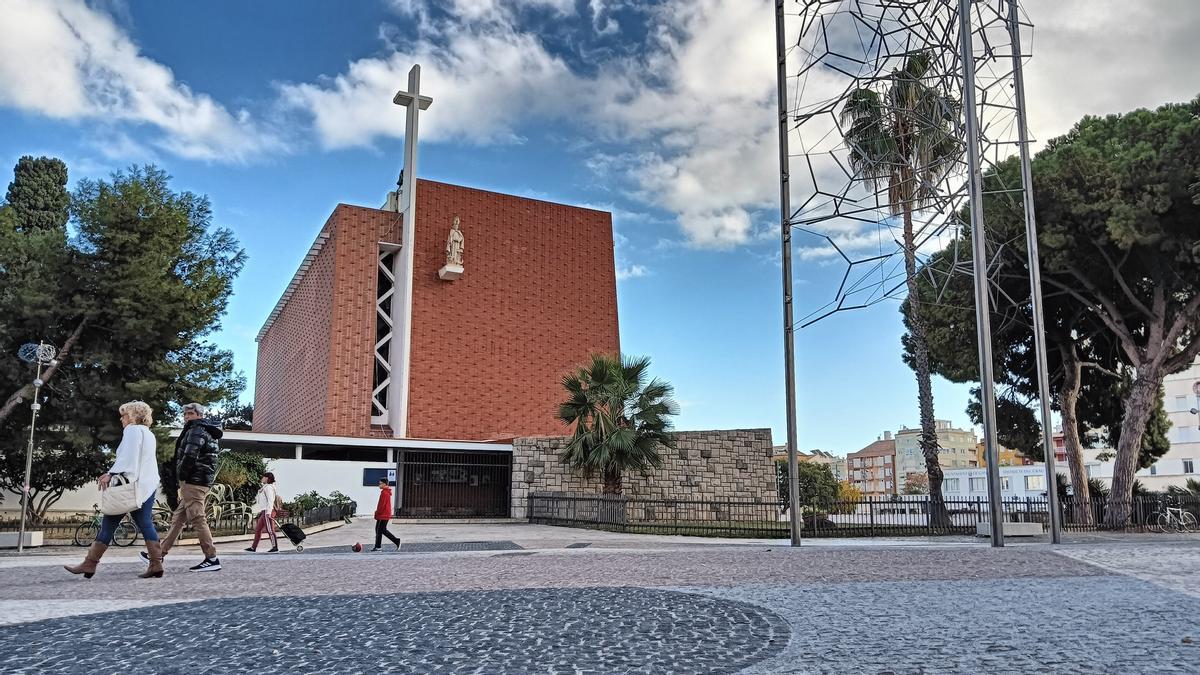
{"type": "Point", "coordinates": [620, 419]}
{"type": "Point", "coordinates": [901, 141]}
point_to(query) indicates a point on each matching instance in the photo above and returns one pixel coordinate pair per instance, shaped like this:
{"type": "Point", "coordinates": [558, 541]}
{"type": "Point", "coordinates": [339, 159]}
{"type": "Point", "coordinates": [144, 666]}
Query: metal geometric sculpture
{"type": "Point", "coordinates": [845, 48]}
{"type": "Point", "coordinates": [37, 353]}
{"type": "Point", "coordinates": [898, 107]}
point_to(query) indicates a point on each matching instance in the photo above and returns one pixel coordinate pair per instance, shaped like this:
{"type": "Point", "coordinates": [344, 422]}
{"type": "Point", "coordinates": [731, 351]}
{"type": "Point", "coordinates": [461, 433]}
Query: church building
{"type": "Point", "coordinates": [426, 342]}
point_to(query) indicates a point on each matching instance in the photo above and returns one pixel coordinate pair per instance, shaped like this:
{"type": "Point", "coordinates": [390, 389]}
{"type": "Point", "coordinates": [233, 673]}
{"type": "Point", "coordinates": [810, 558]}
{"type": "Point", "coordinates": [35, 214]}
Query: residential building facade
{"type": "Point", "coordinates": [1007, 456]}
{"type": "Point", "coordinates": [873, 469]}
{"type": "Point", "coordinates": [956, 449]}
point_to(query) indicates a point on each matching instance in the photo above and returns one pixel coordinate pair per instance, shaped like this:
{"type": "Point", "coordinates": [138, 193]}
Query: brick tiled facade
{"type": "Point", "coordinates": [488, 350]}
{"type": "Point", "coordinates": [707, 466]}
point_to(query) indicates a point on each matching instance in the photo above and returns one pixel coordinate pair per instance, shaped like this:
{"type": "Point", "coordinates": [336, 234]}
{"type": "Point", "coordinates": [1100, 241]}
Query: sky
{"type": "Point", "coordinates": [661, 112]}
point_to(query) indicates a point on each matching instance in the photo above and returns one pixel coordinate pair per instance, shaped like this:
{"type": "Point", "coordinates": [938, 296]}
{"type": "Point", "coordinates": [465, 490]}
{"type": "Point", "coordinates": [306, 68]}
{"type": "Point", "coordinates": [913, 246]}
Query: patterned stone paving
{"type": "Point", "coordinates": [588, 630]}
{"type": "Point", "coordinates": [1084, 608]}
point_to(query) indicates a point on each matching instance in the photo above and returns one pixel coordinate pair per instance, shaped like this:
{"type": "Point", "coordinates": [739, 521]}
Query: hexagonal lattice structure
{"type": "Point", "coordinates": [878, 163]}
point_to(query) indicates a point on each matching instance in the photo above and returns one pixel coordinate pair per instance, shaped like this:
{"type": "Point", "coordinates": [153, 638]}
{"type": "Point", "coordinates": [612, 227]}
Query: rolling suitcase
{"type": "Point", "coordinates": [295, 534]}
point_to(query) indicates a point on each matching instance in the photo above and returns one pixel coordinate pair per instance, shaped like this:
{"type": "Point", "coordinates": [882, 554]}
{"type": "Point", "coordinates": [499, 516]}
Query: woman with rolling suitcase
{"type": "Point", "coordinates": [264, 506]}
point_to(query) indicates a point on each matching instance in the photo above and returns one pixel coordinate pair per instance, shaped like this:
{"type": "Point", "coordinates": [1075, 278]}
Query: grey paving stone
{"type": "Point", "coordinates": [1088, 625]}
{"type": "Point", "coordinates": [425, 547]}
{"type": "Point", "coordinates": [600, 630]}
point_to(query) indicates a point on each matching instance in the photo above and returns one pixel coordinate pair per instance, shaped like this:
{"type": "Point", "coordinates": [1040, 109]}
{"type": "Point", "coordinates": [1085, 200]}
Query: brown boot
{"type": "Point", "coordinates": [154, 550]}
{"type": "Point", "coordinates": [88, 567]}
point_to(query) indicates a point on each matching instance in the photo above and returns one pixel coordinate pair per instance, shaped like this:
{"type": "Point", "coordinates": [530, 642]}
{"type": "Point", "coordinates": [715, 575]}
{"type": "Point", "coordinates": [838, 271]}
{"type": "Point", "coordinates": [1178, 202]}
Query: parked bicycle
{"type": "Point", "coordinates": [126, 533]}
{"type": "Point", "coordinates": [1173, 519]}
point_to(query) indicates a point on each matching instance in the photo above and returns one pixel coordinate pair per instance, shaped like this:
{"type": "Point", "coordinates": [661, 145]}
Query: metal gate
{"type": "Point", "coordinates": [455, 484]}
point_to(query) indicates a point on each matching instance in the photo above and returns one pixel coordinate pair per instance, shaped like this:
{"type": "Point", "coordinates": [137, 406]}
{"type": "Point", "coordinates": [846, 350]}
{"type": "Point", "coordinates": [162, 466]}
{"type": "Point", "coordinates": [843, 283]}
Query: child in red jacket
{"type": "Point", "coordinates": [383, 513]}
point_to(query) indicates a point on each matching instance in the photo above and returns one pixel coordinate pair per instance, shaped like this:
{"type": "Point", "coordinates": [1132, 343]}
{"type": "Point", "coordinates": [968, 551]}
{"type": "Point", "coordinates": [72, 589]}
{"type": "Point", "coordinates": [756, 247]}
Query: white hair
{"type": "Point", "coordinates": [196, 408]}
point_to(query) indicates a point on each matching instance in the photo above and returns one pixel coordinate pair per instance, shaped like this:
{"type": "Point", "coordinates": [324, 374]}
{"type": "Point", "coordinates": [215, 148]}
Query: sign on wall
{"type": "Point", "coordinates": [371, 477]}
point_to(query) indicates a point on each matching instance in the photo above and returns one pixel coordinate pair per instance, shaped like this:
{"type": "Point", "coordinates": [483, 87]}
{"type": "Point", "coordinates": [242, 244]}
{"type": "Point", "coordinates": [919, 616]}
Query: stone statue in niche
{"type": "Point", "coordinates": [455, 245]}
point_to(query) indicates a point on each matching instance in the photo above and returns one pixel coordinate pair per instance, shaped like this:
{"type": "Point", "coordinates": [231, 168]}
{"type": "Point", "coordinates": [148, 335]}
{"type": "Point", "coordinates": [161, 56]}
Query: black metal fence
{"type": "Point", "coordinates": [64, 531]}
{"type": "Point", "coordinates": [455, 485]}
{"type": "Point", "coordinates": [868, 517]}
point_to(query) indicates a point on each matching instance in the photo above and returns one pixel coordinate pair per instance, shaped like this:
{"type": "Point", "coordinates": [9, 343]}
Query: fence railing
{"type": "Point", "coordinates": [869, 517]}
{"type": "Point", "coordinates": [64, 530]}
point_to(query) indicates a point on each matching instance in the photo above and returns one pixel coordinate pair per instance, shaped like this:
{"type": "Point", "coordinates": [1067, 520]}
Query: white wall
{"type": "Point", "coordinates": [292, 476]}
{"type": "Point", "coordinates": [296, 476]}
{"type": "Point", "coordinates": [957, 482]}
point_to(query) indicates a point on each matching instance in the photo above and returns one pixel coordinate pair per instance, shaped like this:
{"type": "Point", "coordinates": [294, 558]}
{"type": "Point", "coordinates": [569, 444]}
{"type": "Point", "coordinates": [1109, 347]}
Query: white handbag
{"type": "Point", "coordinates": [120, 497]}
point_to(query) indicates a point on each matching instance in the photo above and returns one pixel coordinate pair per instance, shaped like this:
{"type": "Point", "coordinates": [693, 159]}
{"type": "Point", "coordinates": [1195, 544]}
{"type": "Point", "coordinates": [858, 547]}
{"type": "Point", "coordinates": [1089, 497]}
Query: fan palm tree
{"type": "Point", "coordinates": [620, 419]}
{"type": "Point", "coordinates": [901, 142]}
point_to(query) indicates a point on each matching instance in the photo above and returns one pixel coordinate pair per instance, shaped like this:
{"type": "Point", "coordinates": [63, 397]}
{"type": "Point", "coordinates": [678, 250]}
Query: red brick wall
{"type": "Point", "coordinates": [292, 383]}
{"type": "Point", "coordinates": [489, 350]}
{"type": "Point", "coordinates": [538, 296]}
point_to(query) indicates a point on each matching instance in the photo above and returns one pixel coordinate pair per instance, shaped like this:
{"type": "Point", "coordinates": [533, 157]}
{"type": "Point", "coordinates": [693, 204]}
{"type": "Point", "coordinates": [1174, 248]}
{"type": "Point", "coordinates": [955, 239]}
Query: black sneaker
{"type": "Point", "coordinates": [397, 546]}
{"type": "Point", "coordinates": [146, 557]}
{"type": "Point", "coordinates": [274, 549]}
{"type": "Point", "coordinates": [376, 549]}
{"type": "Point", "coordinates": [209, 565]}
{"type": "Point", "coordinates": [249, 550]}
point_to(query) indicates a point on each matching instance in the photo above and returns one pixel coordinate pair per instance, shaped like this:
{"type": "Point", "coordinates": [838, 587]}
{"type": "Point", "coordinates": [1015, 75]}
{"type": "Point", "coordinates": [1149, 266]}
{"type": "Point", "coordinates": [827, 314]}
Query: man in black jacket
{"type": "Point", "coordinates": [195, 470]}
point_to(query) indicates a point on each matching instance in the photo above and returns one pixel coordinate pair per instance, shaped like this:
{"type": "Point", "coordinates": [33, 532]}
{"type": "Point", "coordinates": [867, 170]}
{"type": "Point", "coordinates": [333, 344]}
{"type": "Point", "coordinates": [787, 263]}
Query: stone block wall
{"type": "Point", "coordinates": [707, 466]}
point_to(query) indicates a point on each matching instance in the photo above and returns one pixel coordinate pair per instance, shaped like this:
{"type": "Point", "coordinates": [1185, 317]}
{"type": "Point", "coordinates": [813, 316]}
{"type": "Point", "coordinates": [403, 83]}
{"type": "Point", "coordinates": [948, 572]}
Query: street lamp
{"type": "Point", "coordinates": [43, 355]}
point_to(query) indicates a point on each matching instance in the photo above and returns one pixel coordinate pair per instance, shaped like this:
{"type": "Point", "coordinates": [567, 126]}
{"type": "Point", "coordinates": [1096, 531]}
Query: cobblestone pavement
{"type": "Point", "coordinates": [1066, 625]}
{"type": "Point", "coordinates": [1175, 566]}
{"type": "Point", "coordinates": [761, 609]}
{"type": "Point", "coordinates": [599, 630]}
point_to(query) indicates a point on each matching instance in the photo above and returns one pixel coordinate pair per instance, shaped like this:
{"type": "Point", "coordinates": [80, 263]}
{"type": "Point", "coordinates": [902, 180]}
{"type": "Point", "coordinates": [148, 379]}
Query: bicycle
{"type": "Point", "coordinates": [1174, 519]}
{"type": "Point", "coordinates": [126, 533]}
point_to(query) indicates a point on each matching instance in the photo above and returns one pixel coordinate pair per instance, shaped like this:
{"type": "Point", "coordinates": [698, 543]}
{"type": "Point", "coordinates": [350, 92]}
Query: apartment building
{"type": "Point", "coordinates": [873, 469]}
{"type": "Point", "coordinates": [836, 464]}
{"type": "Point", "coordinates": [956, 449]}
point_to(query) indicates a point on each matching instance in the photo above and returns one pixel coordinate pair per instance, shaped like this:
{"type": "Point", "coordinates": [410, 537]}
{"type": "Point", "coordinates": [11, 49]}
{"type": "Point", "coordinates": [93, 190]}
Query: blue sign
{"type": "Point", "coordinates": [371, 477]}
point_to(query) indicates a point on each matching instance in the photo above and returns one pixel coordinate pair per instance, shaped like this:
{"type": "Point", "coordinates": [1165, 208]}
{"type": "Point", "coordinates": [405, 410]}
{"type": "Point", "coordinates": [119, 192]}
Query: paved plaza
{"type": "Point", "coordinates": [516, 598]}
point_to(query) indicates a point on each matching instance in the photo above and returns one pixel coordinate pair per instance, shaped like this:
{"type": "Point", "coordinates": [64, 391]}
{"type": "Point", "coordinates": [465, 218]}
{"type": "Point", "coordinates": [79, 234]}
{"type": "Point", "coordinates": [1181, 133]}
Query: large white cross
{"type": "Point", "coordinates": [401, 347]}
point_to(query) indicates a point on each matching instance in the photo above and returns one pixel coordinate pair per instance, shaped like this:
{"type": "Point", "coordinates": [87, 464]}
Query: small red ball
{"type": "Point", "coordinates": [357, 547]}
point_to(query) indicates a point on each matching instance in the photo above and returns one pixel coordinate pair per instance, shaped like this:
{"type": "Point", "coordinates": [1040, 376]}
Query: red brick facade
{"type": "Point", "coordinates": [489, 350]}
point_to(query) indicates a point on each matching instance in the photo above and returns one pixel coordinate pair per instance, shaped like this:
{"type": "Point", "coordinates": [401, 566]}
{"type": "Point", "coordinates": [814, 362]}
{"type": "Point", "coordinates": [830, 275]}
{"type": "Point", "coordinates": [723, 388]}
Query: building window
{"type": "Point", "coordinates": [1181, 404]}
{"type": "Point", "coordinates": [1154, 469]}
{"type": "Point", "coordinates": [1004, 484]}
{"type": "Point", "coordinates": [978, 485]}
{"type": "Point", "coordinates": [1187, 466]}
{"type": "Point", "coordinates": [342, 453]}
{"type": "Point", "coordinates": [887, 459]}
{"type": "Point", "coordinates": [887, 472]}
{"type": "Point", "coordinates": [385, 292]}
{"type": "Point", "coordinates": [1035, 482]}
{"type": "Point", "coordinates": [950, 485]}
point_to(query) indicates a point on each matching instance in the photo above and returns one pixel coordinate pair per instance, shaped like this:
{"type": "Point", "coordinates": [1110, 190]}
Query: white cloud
{"type": "Point", "coordinates": [697, 104]}
{"type": "Point", "coordinates": [631, 272]}
{"type": "Point", "coordinates": [484, 84]}
{"type": "Point", "coordinates": [1096, 58]}
{"type": "Point", "coordinates": [66, 60]}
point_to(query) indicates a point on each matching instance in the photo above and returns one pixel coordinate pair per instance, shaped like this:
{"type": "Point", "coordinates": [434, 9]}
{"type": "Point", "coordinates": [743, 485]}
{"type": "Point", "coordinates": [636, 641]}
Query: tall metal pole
{"type": "Point", "coordinates": [1035, 277]}
{"type": "Point", "coordinates": [37, 389]}
{"type": "Point", "coordinates": [979, 264]}
{"type": "Point", "coordinates": [785, 233]}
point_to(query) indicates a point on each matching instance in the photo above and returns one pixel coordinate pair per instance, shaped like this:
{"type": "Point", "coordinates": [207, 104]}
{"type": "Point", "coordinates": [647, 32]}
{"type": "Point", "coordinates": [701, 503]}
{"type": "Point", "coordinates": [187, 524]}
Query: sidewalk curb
{"type": "Point", "coordinates": [250, 536]}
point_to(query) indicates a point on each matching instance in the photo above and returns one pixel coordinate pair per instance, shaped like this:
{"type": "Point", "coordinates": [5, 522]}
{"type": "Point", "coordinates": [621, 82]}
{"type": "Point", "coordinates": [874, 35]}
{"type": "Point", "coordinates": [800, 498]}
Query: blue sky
{"type": "Point", "coordinates": [661, 112]}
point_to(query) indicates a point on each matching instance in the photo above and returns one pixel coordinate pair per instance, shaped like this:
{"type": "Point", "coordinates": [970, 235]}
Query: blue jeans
{"type": "Point", "coordinates": [143, 518]}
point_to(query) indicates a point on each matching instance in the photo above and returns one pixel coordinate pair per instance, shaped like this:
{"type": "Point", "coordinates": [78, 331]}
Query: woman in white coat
{"type": "Point", "coordinates": [135, 459]}
{"type": "Point", "coordinates": [264, 506]}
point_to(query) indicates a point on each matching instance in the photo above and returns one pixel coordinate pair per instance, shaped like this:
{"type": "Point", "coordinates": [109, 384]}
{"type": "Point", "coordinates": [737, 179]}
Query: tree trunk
{"type": "Point", "coordinates": [1081, 502]}
{"type": "Point", "coordinates": [19, 396]}
{"type": "Point", "coordinates": [938, 516]}
{"type": "Point", "coordinates": [611, 480]}
{"type": "Point", "coordinates": [1138, 406]}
